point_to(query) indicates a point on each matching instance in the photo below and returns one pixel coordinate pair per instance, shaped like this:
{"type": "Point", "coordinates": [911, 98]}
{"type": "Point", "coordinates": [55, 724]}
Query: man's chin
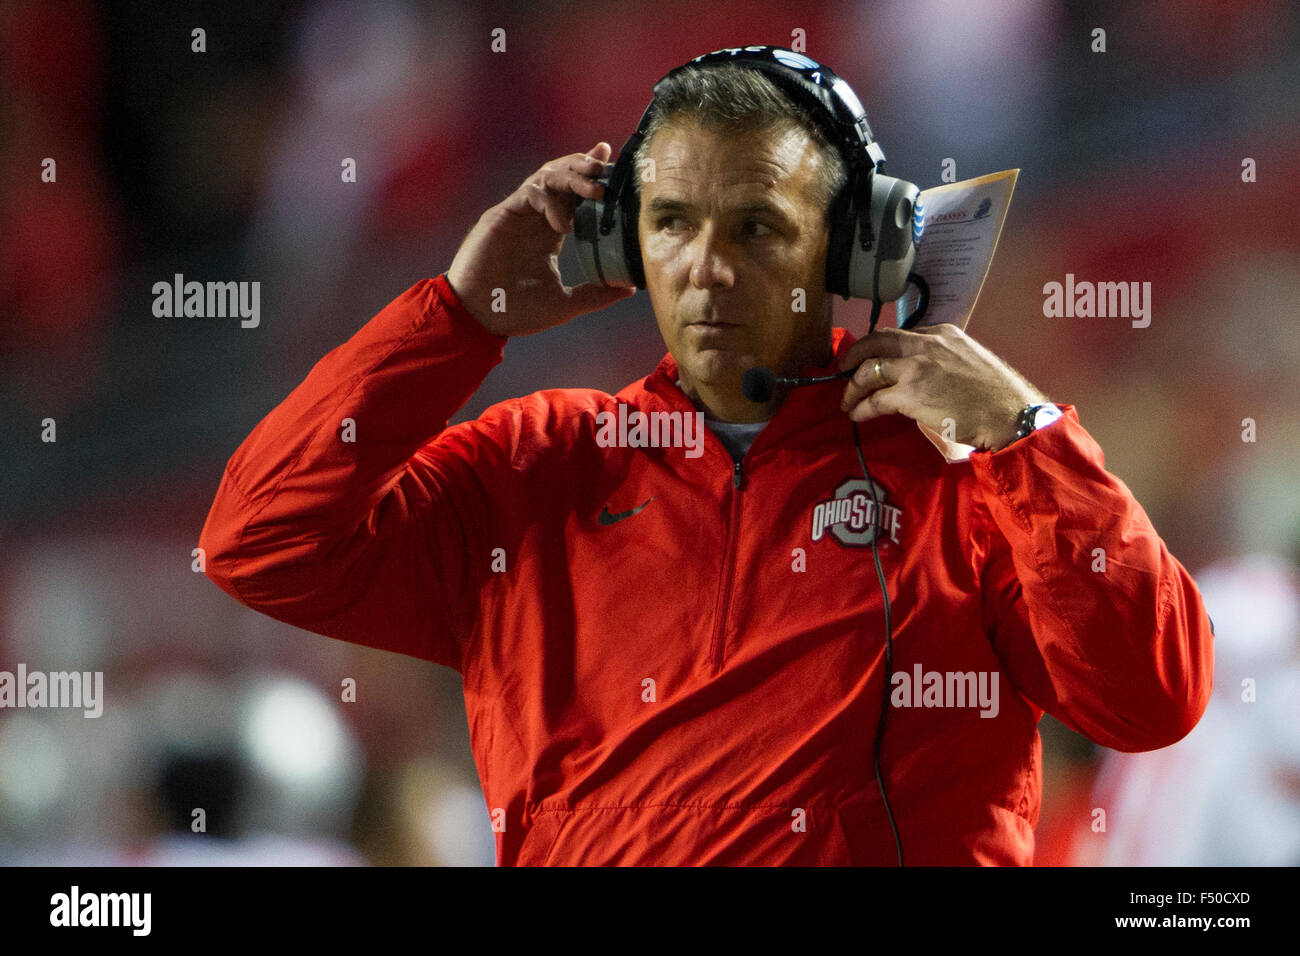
{"type": "Point", "coordinates": [718, 368]}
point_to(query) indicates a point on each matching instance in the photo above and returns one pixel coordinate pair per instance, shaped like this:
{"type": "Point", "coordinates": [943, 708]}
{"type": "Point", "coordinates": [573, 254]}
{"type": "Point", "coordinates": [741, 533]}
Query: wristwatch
{"type": "Point", "coordinates": [1034, 417]}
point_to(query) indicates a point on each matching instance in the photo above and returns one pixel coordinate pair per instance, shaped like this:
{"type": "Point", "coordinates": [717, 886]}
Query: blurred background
{"type": "Point", "coordinates": [225, 165]}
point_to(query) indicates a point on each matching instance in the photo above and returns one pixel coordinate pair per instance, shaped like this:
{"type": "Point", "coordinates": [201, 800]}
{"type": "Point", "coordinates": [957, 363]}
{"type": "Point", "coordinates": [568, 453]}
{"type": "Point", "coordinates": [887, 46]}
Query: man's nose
{"type": "Point", "coordinates": [712, 264]}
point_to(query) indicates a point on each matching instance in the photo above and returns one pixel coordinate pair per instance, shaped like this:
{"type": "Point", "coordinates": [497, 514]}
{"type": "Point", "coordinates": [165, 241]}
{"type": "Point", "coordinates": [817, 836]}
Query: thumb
{"type": "Point", "coordinates": [589, 297]}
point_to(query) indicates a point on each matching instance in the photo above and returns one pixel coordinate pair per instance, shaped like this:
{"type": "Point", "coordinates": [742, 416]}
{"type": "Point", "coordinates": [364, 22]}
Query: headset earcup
{"type": "Point", "coordinates": [884, 269]}
{"type": "Point", "coordinates": [602, 257]}
{"type": "Point", "coordinates": [880, 272]}
{"type": "Point", "coordinates": [844, 252]}
{"type": "Point", "coordinates": [628, 227]}
{"type": "Point", "coordinates": [839, 246]}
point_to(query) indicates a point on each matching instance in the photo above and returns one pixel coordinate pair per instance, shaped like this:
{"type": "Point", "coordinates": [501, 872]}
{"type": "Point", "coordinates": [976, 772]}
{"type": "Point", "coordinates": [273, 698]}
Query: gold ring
{"type": "Point", "coordinates": [879, 374]}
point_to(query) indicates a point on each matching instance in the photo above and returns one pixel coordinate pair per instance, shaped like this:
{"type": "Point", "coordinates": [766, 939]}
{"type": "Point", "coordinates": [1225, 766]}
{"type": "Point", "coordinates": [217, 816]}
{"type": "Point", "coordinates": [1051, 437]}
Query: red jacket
{"type": "Point", "coordinates": [700, 681]}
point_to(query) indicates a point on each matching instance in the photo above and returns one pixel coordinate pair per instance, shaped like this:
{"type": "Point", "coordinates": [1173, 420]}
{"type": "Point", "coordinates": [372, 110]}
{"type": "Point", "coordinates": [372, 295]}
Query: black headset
{"type": "Point", "coordinates": [876, 220]}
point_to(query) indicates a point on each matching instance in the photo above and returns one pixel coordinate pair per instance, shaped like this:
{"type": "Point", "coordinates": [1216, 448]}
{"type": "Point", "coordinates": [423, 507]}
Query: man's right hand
{"type": "Point", "coordinates": [515, 246]}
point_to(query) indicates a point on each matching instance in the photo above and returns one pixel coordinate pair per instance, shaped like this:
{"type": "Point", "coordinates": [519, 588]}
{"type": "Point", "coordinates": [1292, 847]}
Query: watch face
{"type": "Point", "coordinates": [1045, 414]}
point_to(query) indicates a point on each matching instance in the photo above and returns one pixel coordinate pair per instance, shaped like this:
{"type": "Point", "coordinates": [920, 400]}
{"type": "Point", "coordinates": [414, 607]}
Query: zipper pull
{"type": "Point", "coordinates": [735, 476]}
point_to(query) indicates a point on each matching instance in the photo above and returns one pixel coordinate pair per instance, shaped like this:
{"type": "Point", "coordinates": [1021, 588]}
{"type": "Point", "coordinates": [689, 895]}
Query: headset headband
{"type": "Point", "coordinates": [830, 102]}
{"type": "Point", "coordinates": [829, 99]}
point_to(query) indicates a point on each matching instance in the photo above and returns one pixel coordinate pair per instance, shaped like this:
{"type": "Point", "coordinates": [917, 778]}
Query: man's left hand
{"type": "Point", "coordinates": [934, 374]}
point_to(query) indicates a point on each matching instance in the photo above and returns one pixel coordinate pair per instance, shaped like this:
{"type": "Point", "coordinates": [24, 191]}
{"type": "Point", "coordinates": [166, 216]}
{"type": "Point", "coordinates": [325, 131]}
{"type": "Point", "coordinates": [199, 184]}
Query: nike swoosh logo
{"type": "Point", "coordinates": [606, 518]}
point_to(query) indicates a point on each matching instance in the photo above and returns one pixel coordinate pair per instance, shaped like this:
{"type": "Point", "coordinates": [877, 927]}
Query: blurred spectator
{"type": "Point", "coordinates": [1229, 793]}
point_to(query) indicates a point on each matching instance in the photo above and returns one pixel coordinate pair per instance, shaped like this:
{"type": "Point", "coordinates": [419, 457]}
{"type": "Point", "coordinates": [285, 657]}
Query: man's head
{"type": "Point", "coordinates": [733, 229]}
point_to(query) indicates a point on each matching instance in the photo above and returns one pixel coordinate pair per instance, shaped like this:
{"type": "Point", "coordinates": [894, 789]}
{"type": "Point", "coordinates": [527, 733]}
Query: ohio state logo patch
{"type": "Point", "coordinates": [850, 515]}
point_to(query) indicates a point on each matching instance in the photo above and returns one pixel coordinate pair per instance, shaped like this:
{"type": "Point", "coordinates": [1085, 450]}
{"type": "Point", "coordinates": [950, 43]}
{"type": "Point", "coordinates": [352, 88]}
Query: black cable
{"type": "Point", "coordinates": [922, 301]}
{"type": "Point", "coordinates": [877, 518]}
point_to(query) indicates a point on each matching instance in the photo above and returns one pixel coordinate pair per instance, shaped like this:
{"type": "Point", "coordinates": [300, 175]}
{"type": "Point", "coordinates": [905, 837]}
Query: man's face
{"type": "Point", "coordinates": [730, 227]}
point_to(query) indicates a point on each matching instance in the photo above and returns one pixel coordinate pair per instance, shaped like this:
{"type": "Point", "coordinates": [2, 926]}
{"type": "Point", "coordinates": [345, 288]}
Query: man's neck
{"type": "Point", "coordinates": [732, 408]}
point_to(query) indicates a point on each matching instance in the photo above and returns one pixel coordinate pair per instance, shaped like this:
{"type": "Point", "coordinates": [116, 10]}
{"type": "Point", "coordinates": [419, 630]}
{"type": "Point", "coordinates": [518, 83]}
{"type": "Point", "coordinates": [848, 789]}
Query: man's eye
{"type": "Point", "coordinates": [670, 222]}
{"type": "Point", "coordinates": [757, 229]}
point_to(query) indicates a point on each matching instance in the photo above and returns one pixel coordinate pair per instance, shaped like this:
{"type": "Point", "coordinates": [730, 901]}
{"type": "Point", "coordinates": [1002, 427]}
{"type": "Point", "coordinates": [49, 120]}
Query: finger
{"type": "Point", "coordinates": [589, 297]}
{"type": "Point", "coordinates": [558, 182]}
{"type": "Point", "coordinates": [524, 199]}
{"type": "Point", "coordinates": [590, 163]}
{"type": "Point", "coordinates": [564, 189]}
{"type": "Point", "coordinates": [575, 174]}
{"type": "Point", "coordinates": [884, 343]}
{"type": "Point", "coordinates": [582, 165]}
{"type": "Point", "coordinates": [555, 205]}
{"type": "Point", "coordinates": [885, 401]}
{"type": "Point", "coordinates": [866, 380]}
{"type": "Point", "coordinates": [549, 205]}
{"type": "Point", "coordinates": [594, 161]}
{"type": "Point", "coordinates": [565, 181]}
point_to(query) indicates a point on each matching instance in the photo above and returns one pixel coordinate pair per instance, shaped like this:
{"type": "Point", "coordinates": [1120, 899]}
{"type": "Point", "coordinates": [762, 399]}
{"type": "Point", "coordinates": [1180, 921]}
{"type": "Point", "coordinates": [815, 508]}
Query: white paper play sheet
{"type": "Point", "coordinates": [963, 222]}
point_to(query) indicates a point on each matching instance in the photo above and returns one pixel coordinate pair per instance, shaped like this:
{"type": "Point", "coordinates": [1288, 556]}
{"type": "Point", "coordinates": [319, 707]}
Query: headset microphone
{"type": "Point", "coordinates": [759, 383]}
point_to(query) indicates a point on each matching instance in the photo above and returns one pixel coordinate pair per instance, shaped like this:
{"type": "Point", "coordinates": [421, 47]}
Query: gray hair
{"type": "Point", "coordinates": [735, 99]}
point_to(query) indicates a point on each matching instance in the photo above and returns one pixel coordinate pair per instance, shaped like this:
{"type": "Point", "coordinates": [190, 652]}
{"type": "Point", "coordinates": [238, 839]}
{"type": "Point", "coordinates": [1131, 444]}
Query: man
{"type": "Point", "coordinates": [675, 654]}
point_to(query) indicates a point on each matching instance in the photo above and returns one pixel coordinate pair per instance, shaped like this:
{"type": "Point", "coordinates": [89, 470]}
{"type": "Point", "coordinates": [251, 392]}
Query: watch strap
{"type": "Point", "coordinates": [1026, 423]}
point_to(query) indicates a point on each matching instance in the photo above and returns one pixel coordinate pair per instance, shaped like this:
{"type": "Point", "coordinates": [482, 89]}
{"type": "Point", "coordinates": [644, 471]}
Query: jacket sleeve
{"type": "Point", "coordinates": [1093, 619]}
{"type": "Point", "coordinates": [343, 512]}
